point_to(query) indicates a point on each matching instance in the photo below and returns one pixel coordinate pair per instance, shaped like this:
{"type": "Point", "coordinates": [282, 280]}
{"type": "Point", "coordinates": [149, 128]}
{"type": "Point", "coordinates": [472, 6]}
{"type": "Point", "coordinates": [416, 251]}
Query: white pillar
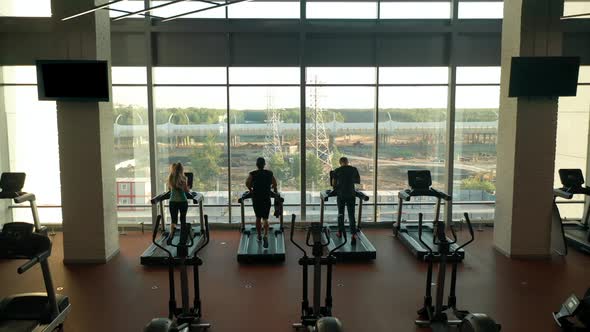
{"type": "Point", "coordinates": [86, 144]}
{"type": "Point", "coordinates": [526, 135]}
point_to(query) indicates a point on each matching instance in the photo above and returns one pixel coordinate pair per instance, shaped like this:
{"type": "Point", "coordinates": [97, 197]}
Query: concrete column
{"type": "Point", "coordinates": [526, 135]}
{"type": "Point", "coordinates": [86, 144]}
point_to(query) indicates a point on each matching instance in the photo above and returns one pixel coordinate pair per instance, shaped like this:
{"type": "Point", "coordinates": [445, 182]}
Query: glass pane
{"type": "Point", "coordinates": [478, 75]}
{"type": "Point", "coordinates": [351, 10]}
{"type": "Point", "coordinates": [412, 134]}
{"type": "Point", "coordinates": [265, 123]}
{"type": "Point", "coordinates": [476, 133]}
{"type": "Point", "coordinates": [576, 8]}
{"type": "Point", "coordinates": [189, 75]}
{"type": "Point", "coordinates": [413, 10]}
{"type": "Point", "coordinates": [264, 75]}
{"type": "Point", "coordinates": [132, 154]}
{"type": "Point", "coordinates": [340, 122]}
{"type": "Point", "coordinates": [572, 142]}
{"type": "Point", "coordinates": [584, 74]}
{"type": "Point", "coordinates": [129, 75]}
{"type": "Point", "coordinates": [189, 6]}
{"type": "Point", "coordinates": [340, 75]}
{"type": "Point", "coordinates": [19, 74]}
{"type": "Point", "coordinates": [38, 158]}
{"type": "Point", "coordinates": [170, 10]}
{"type": "Point", "coordinates": [413, 75]}
{"type": "Point", "coordinates": [485, 9]}
{"type": "Point", "coordinates": [25, 8]}
{"type": "Point", "coordinates": [192, 129]}
{"type": "Point", "coordinates": [264, 9]}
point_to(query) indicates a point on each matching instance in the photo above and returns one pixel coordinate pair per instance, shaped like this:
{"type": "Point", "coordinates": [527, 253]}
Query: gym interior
{"type": "Point", "coordinates": [466, 120]}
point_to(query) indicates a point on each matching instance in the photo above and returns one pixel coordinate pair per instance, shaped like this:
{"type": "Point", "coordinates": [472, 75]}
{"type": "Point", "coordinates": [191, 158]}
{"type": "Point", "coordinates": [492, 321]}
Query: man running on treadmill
{"type": "Point", "coordinates": [260, 182]}
{"type": "Point", "coordinates": [343, 183]}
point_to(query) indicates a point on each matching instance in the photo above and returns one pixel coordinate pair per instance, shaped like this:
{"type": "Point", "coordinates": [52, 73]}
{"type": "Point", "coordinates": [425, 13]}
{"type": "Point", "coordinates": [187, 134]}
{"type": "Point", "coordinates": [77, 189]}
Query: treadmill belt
{"type": "Point", "coordinates": [362, 250]}
{"type": "Point", "coordinates": [155, 256]}
{"type": "Point", "coordinates": [252, 251]}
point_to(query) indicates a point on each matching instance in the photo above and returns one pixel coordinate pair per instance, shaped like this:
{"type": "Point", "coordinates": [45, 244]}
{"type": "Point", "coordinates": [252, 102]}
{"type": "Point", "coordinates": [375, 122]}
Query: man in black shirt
{"type": "Point", "coordinates": [260, 182]}
{"type": "Point", "coordinates": [343, 182]}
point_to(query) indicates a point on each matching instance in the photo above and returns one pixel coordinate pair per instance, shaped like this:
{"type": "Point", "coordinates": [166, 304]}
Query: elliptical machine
{"type": "Point", "coordinates": [574, 315]}
{"type": "Point", "coordinates": [436, 316]}
{"type": "Point", "coordinates": [185, 318]}
{"type": "Point", "coordinates": [317, 318]}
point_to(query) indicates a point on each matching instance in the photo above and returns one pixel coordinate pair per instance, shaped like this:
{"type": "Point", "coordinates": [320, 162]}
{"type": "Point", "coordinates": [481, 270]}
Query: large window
{"type": "Point", "coordinates": [340, 122]}
{"type": "Point", "coordinates": [573, 118]}
{"type": "Point", "coordinates": [476, 131]}
{"type": "Point", "coordinates": [25, 8]}
{"type": "Point", "coordinates": [265, 122]}
{"type": "Point", "coordinates": [412, 133]}
{"type": "Point", "coordinates": [191, 128]}
{"type": "Point", "coordinates": [132, 154]}
{"type": "Point", "coordinates": [32, 140]}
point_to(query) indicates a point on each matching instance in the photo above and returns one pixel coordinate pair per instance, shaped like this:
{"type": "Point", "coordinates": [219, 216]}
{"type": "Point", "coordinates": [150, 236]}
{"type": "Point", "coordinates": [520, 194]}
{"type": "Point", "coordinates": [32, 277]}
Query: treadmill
{"type": "Point", "coordinates": [420, 183]}
{"type": "Point", "coordinates": [576, 234]}
{"type": "Point", "coordinates": [250, 249]}
{"type": "Point", "coordinates": [363, 249]}
{"type": "Point", "coordinates": [154, 256]}
{"type": "Point", "coordinates": [36, 312]}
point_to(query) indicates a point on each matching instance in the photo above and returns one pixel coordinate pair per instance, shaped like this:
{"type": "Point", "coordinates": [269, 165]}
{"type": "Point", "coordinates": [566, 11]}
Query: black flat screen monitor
{"type": "Point", "coordinates": [73, 80]}
{"type": "Point", "coordinates": [544, 76]}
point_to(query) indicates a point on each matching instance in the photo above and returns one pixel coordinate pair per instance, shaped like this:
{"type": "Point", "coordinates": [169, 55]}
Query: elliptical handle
{"type": "Point", "coordinates": [206, 233]}
{"type": "Point", "coordinates": [156, 226]}
{"type": "Point", "coordinates": [420, 217]}
{"type": "Point", "coordinates": [291, 237]}
{"type": "Point", "coordinates": [471, 234]}
{"type": "Point", "coordinates": [341, 244]}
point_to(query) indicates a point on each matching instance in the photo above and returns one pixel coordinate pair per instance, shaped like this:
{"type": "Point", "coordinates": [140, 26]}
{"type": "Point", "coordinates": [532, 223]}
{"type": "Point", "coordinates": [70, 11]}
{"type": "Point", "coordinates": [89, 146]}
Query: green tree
{"type": "Point", "coordinates": [477, 184]}
{"type": "Point", "coordinates": [280, 168]}
{"type": "Point", "coordinates": [336, 155]}
{"type": "Point", "coordinates": [315, 172]}
{"type": "Point", "coordinates": [205, 162]}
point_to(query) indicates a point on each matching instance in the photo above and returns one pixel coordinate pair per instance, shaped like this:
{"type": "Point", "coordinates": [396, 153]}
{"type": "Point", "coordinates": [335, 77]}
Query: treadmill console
{"type": "Point", "coordinates": [189, 177]}
{"type": "Point", "coordinates": [571, 178]}
{"type": "Point", "coordinates": [419, 179]}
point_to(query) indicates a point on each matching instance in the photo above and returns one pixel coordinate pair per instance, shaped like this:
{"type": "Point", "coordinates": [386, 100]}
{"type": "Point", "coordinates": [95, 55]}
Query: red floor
{"type": "Point", "coordinates": [378, 296]}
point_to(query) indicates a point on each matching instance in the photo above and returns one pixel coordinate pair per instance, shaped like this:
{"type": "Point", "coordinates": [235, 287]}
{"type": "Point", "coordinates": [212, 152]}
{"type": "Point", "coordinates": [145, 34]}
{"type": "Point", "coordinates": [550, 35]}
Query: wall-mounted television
{"type": "Point", "coordinates": [73, 80]}
{"type": "Point", "coordinates": [544, 76]}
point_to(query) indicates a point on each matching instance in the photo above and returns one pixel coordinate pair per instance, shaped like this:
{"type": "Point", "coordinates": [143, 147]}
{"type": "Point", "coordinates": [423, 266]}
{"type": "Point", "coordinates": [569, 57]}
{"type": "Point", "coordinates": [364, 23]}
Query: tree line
{"type": "Point", "coordinates": [133, 114]}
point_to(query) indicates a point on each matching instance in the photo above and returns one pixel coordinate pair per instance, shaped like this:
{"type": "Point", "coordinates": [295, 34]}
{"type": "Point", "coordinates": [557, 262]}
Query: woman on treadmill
{"type": "Point", "coordinates": [178, 186]}
{"type": "Point", "coordinates": [259, 183]}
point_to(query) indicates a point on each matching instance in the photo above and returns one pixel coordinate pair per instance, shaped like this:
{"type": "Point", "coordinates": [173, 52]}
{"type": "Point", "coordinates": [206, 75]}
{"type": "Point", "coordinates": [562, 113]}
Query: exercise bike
{"type": "Point", "coordinates": [317, 318]}
{"type": "Point", "coordinates": [185, 318]}
{"type": "Point", "coordinates": [436, 316]}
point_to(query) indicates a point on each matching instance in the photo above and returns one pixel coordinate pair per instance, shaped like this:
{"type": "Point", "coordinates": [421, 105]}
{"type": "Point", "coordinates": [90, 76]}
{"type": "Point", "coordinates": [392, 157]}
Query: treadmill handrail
{"type": "Point", "coordinates": [192, 195]}
{"type": "Point", "coordinates": [563, 193]}
{"type": "Point", "coordinates": [406, 194]}
{"type": "Point", "coordinates": [34, 260]}
{"type": "Point", "coordinates": [248, 194]}
{"type": "Point", "coordinates": [24, 197]}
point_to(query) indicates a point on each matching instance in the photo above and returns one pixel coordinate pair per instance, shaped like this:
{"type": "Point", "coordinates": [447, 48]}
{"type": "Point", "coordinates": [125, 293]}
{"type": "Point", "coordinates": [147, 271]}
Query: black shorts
{"type": "Point", "coordinates": [261, 207]}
